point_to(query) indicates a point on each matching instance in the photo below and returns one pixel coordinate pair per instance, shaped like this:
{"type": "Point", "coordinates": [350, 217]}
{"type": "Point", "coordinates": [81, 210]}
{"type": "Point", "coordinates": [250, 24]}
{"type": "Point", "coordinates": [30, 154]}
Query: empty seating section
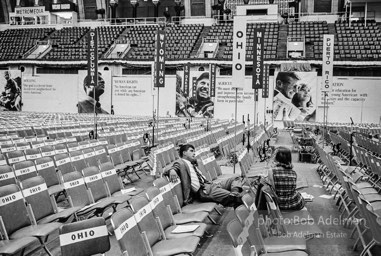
{"type": "Point", "coordinates": [355, 42]}
{"type": "Point", "coordinates": [106, 37]}
{"type": "Point", "coordinates": [358, 42]}
{"type": "Point", "coordinates": [15, 42]}
{"type": "Point", "coordinates": [179, 43]}
{"type": "Point", "coordinates": [68, 44]}
{"type": "Point", "coordinates": [224, 34]}
{"type": "Point", "coordinates": [313, 33]}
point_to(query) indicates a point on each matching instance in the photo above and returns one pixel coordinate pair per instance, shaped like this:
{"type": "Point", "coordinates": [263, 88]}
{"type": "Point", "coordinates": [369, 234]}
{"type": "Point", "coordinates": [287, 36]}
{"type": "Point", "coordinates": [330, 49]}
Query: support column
{"type": "Point", "coordinates": [187, 5]}
{"type": "Point", "coordinates": [17, 3]}
{"type": "Point", "coordinates": [81, 10]}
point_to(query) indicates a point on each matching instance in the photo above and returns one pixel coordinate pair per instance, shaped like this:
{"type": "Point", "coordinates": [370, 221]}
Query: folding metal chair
{"type": "Point", "coordinates": [156, 237]}
{"type": "Point", "coordinates": [46, 169]}
{"type": "Point", "coordinates": [7, 175]}
{"type": "Point", "coordinates": [23, 223]}
{"type": "Point", "coordinates": [77, 160]}
{"type": "Point", "coordinates": [16, 246]}
{"type": "Point", "coordinates": [24, 170]}
{"type": "Point", "coordinates": [84, 238]}
{"type": "Point", "coordinates": [169, 199]}
{"type": "Point", "coordinates": [35, 192]}
{"type": "Point", "coordinates": [164, 213]}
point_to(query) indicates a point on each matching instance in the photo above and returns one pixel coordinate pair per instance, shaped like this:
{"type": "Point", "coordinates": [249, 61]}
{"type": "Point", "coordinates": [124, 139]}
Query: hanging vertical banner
{"type": "Point", "coordinates": [239, 51]}
{"type": "Point", "coordinates": [212, 69]}
{"type": "Point", "coordinates": [255, 95]}
{"type": "Point", "coordinates": [265, 91]}
{"type": "Point", "coordinates": [92, 58]}
{"type": "Point", "coordinates": [160, 59]}
{"type": "Point", "coordinates": [327, 74]}
{"type": "Point", "coordinates": [194, 86]}
{"type": "Point", "coordinates": [258, 51]}
{"type": "Point", "coordinates": [186, 79]}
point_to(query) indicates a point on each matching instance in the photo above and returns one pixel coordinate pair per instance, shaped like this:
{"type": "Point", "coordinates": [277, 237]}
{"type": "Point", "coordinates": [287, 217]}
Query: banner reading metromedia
{"type": "Point", "coordinates": [160, 59]}
{"type": "Point", "coordinates": [259, 35]}
{"type": "Point", "coordinates": [239, 51]}
{"type": "Point", "coordinates": [327, 74]}
{"type": "Point", "coordinates": [92, 58]}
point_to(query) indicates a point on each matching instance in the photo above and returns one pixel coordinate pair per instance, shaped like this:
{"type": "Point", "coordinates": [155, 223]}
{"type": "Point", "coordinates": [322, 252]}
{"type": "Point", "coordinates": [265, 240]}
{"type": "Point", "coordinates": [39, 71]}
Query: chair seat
{"type": "Point", "coordinates": [61, 216]}
{"type": "Point", "coordinates": [364, 184]}
{"type": "Point", "coordinates": [55, 189]}
{"type": "Point", "coordinates": [199, 232]}
{"type": "Point", "coordinates": [131, 193]}
{"type": "Point", "coordinates": [182, 218]}
{"type": "Point", "coordinates": [10, 247]}
{"type": "Point", "coordinates": [368, 191]}
{"type": "Point", "coordinates": [297, 217]}
{"type": "Point", "coordinates": [120, 198]}
{"type": "Point", "coordinates": [283, 244]}
{"type": "Point", "coordinates": [290, 253]}
{"type": "Point", "coordinates": [308, 230]}
{"type": "Point", "coordinates": [175, 246]}
{"type": "Point", "coordinates": [372, 198]}
{"type": "Point", "coordinates": [36, 230]}
{"type": "Point", "coordinates": [198, 207]}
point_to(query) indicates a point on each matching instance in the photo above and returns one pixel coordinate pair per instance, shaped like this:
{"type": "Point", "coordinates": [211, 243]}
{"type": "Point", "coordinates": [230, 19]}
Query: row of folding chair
{"type": "Point", "coordinates": [369, 163]}
{"type": "Point", "coordinates": [90, 193]}
{"type": "Point", "coordinates": [128, 158]}
{"type": "Point", "coordinates": [357, 199]}
{"type": "Point", "coordinates": [369, 144]}
{"type": "Point", "coordinates": [228, 143]}
{"type": "Point", "coordinates": [208, 138]}
{"type": "Point", "coordinates": [162, 158]}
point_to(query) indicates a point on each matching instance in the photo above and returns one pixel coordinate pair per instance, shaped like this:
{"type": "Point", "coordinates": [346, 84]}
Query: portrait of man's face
{"type": "Point", "coordinates": [203, 89]}
{"type": "Point", "coordinates": [288, 88]}
{"type": "Point", "coordinates": [6, 75]}
{"type": "Point", "coordinates": [98, 90]}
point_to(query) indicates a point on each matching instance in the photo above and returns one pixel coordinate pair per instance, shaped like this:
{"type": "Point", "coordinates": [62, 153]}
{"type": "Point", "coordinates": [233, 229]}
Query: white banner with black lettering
{"type": "Point", "coordinates": [239, 51]}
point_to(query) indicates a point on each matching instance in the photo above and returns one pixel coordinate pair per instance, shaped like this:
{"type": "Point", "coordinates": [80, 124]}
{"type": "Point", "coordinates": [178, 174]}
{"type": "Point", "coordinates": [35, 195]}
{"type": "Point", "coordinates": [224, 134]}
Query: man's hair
{"type": "Point", "coordinates": [7, 73]}
{"type": "Point", "coordinates": [285, 77]}
{"type": "Point", "coordinates": [283, 155]}
{"type": "Point", "coordinates": [184, 148]}
{"type": "Point", "coordinates": [204, 75]}
{"type": "Point", "coordinates": [86, 81]}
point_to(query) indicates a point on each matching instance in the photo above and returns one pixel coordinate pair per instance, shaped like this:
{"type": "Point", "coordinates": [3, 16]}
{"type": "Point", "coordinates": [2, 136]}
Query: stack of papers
{"type": "Point", "coordinates": [128, 190]}
{"type": "Point", "coordinates": [307, 197]}
{"type": "Point", "coordinates": [184, 229]}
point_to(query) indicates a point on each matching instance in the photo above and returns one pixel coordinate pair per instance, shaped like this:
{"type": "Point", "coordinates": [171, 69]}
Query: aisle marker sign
{"type": "Point", "coordinates": [328, 52]}
{"type": "Point", "coordinates": [239, 51]}
{"type": "Point", "coordinates": [160, 59]}
{"type": "Point", "coordinates": [92, 57]}
{"type": "Point", "coordinates": [186, 78]}
{"type": "Point", "coordinates": [212, 70]}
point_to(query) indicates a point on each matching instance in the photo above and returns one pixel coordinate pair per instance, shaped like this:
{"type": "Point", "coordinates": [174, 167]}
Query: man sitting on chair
{"type": "Point", "coordinates": [228, 192]}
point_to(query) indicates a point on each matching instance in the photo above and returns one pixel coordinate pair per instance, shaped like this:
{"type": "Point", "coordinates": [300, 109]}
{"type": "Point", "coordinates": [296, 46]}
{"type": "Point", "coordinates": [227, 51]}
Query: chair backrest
{"type": "Point", "coordinates": [84, 238]}
{"type": "Point", "coordinates": [63, 163]}
{"type": "Point", "coordinates": [15, 156]}
{"type": "Point", "coordinates": [24, 170]}
{"type": "Point", "coordinates": [32, 153]}
{"type": "Point", "coordinates": [60, 148]}
{"type": "Point", "coordinates": [101, 154]}
{"type": "Point", "coordinates": [145, 218]}
{"type": "Point", "coordinates": [47, 150]}
{"type": "Point", "coordinates": [11, 202]}
{"type": "Point", "coordinates": [90, 157]}
{"type": "Point", "coordinates": [159, 207]}
{"type": "Point", "coordinates": [178, 191]}
{"type": "Point", "coordinates": [110, 176]}
{"type": "Point", "coordinates": [74, 185]}
{"type": "Point", "coordinates": [236, 234]}
{"type": "Point", "coordinates": [123, 151]}
{"type": "Point", "coordinates": [127, 233]}
{"type": "Point", "coordinates": [35, 192]}
{"type": "Point", "coordinates": [23, 145]}
{"type": "Point", "coordinates": [3, 160]}
{"type": "Point", "coordinates": [166, 190]}
{"type": "Point", "coordinates": [46, 168]}
{"type": "Point", "coordinates": [7, 175]}
{"type": "Point", "coordinates": [73, 146]}
{"type": "Point", "coordinates": [77, 160]}
{"type": "Point", "coordinates": [95, 183]}
{"type": "Point", "coordinates": [114, 153]}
